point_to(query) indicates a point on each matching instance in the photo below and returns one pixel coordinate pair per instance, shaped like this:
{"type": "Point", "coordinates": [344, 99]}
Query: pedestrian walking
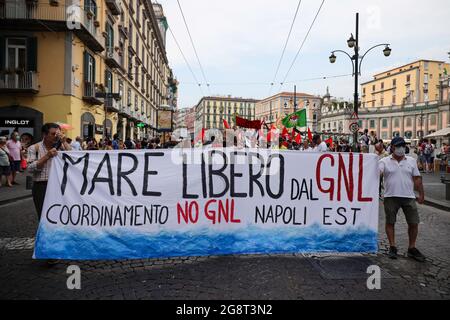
{"type": "Point", "coordinates": [401, 176]}
{"type": "Point", "coordinates": [428, 150]}
{"type": "Point", "coordinates": [5, 164]}
{"type": "Point", "coordinates": [39, 160]}
{"type": "Point", "coordinates": [15, 150]}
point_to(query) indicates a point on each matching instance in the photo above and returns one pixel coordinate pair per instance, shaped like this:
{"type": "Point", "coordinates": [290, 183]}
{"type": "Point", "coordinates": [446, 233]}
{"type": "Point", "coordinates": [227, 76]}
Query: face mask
{"type": "Point", "coordinates": [400, 151]}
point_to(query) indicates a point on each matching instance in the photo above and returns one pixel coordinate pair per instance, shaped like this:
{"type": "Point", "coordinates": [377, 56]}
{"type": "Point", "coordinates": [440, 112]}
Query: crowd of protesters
{"type": "Point", "coordinates": [399, 185]}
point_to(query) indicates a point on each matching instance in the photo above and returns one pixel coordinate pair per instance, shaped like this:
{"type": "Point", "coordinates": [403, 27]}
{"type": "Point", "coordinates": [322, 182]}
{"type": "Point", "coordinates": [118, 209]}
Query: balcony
{"type": "Point", "coordinates": [89, 94]}
{"type": "Point", "coordinates": [123, 30]}
{"type": "Point", "coordinates": [26, 82]}
{"type": "Point", "coordinates": [112, 58]}
{"type": "Point", "coordinates": [112, 105]}
{"type": "Point", "coordinates": [114, 6]}
{"type": "Point", "coordinates": [24, 16]}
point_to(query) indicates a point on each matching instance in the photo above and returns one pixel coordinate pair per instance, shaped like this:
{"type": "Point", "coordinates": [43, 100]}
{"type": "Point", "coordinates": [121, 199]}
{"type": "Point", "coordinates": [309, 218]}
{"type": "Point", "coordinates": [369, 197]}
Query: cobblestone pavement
{"type": "Point", "coordinates": [294, 276]}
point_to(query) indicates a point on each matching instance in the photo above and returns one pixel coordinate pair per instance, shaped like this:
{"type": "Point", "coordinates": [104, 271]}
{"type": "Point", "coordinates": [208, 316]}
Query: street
{"type": "Point", "coordinates": [272, 276]}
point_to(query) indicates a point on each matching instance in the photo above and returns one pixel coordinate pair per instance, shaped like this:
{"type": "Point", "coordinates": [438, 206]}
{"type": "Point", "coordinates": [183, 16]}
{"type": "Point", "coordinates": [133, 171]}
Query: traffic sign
{"type": "Point", "coordinates": [354, 127]}
{"type": "Point", "coordinates": [354, 116]}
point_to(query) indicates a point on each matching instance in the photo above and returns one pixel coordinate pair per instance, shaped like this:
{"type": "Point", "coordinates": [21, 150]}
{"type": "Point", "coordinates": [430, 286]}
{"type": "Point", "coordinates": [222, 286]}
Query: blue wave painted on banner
{"type": "Point", "coordinates": [124, 244]}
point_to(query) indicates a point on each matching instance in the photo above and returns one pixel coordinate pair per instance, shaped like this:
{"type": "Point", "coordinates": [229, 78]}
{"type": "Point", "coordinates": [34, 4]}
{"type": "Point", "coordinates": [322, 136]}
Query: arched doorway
{"type": "Point", "coordinates": [87, 125]}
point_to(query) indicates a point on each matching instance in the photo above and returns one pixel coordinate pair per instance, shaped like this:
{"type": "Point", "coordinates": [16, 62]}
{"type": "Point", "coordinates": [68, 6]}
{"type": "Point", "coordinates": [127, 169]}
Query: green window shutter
{"type": "Point", "coordinates": [2, 53]}
{"type": "Point", "coordinates": [32, 54]}
{"type": "Point", "coordinates": [85, 66]}
{"type": "Point", "coordinates": [93, 69]}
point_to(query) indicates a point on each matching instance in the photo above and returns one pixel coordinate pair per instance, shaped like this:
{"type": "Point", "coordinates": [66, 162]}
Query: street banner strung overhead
{"type": "Point", "coordinates": [196, 202]}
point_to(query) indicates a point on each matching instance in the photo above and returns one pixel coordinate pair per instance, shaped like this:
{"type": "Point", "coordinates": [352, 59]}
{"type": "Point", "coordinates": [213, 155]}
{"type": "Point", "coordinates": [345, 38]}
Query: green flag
{"type": "Point", "coordinates": [296, 119]}
{"type": "Point", "coordinates": [445, 71]}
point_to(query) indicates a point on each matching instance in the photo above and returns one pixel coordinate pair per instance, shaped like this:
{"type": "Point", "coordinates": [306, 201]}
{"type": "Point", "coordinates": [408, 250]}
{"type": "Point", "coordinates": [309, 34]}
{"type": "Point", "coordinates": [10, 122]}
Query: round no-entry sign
{"type": "Point", "coordinates": [354, 127]}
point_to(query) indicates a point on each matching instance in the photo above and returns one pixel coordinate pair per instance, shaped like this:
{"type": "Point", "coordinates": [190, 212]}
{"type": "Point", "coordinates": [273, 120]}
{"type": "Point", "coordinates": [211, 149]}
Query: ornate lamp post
{"type": "Point", "coordinates": [356, 60]}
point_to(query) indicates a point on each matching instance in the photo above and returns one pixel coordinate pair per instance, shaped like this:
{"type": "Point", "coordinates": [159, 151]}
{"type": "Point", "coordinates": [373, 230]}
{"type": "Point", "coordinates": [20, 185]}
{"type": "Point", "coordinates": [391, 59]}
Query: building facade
{"type": "Point", "coordinates": [335, 115]}
{"type": "Point", "coordinates": [211, 111]}
{"type": "Point", "coordinates": [413, 118]}
{"type": "Point", "coordinates": [412, 83]}
{"type": "Point", "coordinates": [98, 65]}
{"type": "Point", "coordinates": [185, 119]}
{"type": "Point", "coordinates": [273, 109]}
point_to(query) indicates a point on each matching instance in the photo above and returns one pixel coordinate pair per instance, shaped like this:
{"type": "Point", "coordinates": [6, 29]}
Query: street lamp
{"type": "Point", "coordinates": [356, 60]}
{"type": "Point", "coordinates": [332, 58]}
{"type": "Point", "coordinates": [351, 42]}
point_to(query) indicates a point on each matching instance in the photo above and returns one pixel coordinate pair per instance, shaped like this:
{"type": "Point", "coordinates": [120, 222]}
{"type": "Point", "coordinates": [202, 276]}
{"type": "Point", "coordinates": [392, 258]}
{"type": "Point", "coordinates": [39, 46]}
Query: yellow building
{"type": "Point", "coordinates": [59, 60]}
{"type": "Point", "coordinates": [415, 82]}
{"type": "Point", "coordinates": [409, 101]}
{"type": "Point", "coordinates": [275, 108]}
{"type": "Point", "coordinates": [211, 111]}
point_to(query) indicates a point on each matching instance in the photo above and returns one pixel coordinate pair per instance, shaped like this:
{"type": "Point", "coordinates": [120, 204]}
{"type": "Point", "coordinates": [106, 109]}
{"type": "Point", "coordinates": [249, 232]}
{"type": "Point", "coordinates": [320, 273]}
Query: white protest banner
{"type": "Point", "coordinates": [194, 202]}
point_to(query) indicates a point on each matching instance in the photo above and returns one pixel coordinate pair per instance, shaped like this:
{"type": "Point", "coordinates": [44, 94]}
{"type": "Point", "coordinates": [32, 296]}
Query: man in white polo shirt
{"type": "Point", "coordinates": [401, 177]}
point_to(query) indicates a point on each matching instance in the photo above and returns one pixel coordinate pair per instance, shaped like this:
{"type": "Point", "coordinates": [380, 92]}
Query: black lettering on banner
{"type": "Point", "coordinates": [234, 174]}
{"type": "Point", "coordinates": [342, 215]}
{"type": "Point", "coordinates": [137, 215]}
{"type": "Point", "coordinates": [147, 173]}
{"type": "Point", "coordinates": [281, 175]}
{"type": "Point", "coordinates": [118, 217]}
{"type": "Point", "coordinates": [185, 181]}
{"type": "Point", "coordinates": [109, 179]}
{"type": "Point", "coordinates": [219, 173]}
{"type": "Point", "coordinates": [66, 157]}
{"type": "Point", "coordinates": [85, 214]}
{"type": "Point", "coordinates": [130, 210]}
{"type": "Point", "coordinates": [99, 217]}
{"type": "Point", "coordinates": [166, 212]}
{"type": "Point", "coordinates": [205, 192]}
{"type": "Point", "coordinates": [75, 223]}
{"type": "Point", "coordinates": [61, 215]}
{"type": "Point", "coordinates": [355, 210]}
{"type": "Point", "coordinates": [326, 216]}
{"type": "Point", "coordinates": [48, 211]}
{"type": "Point", "coordinates": [254, 178]}
{"type": "Point", "coordinates": [123, 174]}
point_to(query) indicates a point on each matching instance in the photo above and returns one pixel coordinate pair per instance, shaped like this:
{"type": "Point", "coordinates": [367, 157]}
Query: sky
{"type": "Point", "coordinates": [239, 43]}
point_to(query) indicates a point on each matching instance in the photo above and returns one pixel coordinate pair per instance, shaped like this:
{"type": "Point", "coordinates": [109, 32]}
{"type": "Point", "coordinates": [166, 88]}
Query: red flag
{"type": "Point", "coordinates": [225, 124]}
{"type": "Point", "coordinates": [310, 136]}
{"type": "Point", "coordinates": [329, 141]}
{"type": "Point", "coordinates": [298, 138]}
{"type": "Point", "coordinates": [201, 135]}
{"type": "Point", "coordinates": [285, 133]}
{"type": "Point", "coordinates": [250, 124]}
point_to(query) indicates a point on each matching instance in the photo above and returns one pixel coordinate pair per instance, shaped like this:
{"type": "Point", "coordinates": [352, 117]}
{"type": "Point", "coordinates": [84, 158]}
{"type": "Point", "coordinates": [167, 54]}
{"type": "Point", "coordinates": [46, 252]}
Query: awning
{"type": "Point", "coordinates": [441, 133]}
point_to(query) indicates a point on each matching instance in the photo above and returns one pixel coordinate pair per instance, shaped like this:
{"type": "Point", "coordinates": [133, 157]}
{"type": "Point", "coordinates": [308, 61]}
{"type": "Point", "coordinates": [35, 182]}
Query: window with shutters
{"type": "Point", "coordinates": [91, 7]}
{"type": "Point", "coordinates": [89, 75]}
{"type": "Point", "coordinates": [108, 81]}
